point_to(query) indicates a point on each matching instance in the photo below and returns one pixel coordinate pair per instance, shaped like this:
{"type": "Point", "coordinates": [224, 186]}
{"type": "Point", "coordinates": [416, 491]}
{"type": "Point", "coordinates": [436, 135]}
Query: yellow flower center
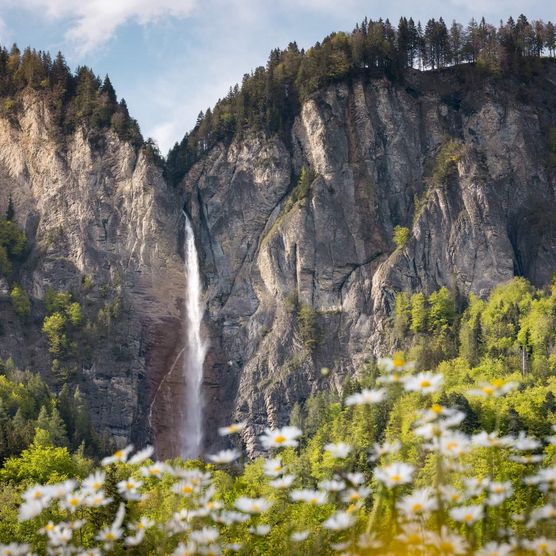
{"type": "Point", "coordinates": [451, 445]}
{"type": "Point", "coordinates": [119, 454]}
{"type": "Point", "coordinates": [37, 494]}
{"type": "Point", "coordinates": [425, 383]}
{"type": "Point", "coordinates": [49, 526]}
{"type": "Point", "coordinates": [74, 501]}
{"type": "Point", "coordinates": [110, 536]}
{"type": "Point", "coordinates": [498, 383]}
{"type": "Point", "coordinates": [255, 508]}
{"type": "Point", "coordinates": [354, 496]}
{"type": "Point", "coordinates": [446, 546]}
{"type": "Point", "coordinates": [280, 439]}
{"type": "Point", "coordinates": [96, 485]}
{"type": "Point", "coordinates": [542, 546]}
{"type": "Point", "coordinates": [313, 501]}
{"type": "Point", "coordinates": [488, 390]}
{"type": "Point", "coordinates": [436, 408]}
{"type": "Point", "coordinates": [468, 518]}
{"type": "Point", "coordinates": [395, 478]}
{"type": "Point", "coordinates": [186, 489]}
{"type": "Point", "coordinates": [417, 507]}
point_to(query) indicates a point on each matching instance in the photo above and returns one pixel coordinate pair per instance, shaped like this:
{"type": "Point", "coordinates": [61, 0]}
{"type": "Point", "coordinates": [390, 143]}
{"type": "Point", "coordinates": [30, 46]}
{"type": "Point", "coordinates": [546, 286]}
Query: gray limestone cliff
{"type": "Point", "coordinates": [299, 274]}
{"type": "Point", "coordinates": [102, 224]}
{"type": "Point", "coordinates": [304, 276]}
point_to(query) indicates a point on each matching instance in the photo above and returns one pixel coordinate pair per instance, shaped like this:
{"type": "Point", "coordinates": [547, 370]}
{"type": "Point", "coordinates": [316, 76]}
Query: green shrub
{"type": "Point", "coordinates": [20, 301]}
{"type": "Point", "coordinates": [307, 326]}
{"type": "Point", "coordinates": [401, 236]}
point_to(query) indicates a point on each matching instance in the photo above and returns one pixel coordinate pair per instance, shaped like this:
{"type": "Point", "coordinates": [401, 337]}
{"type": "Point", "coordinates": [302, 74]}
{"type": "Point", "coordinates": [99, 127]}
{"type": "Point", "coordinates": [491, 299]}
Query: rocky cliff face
{"type": "Point", "coordinates": [98, 209]}
{"type": "Point", "coordinates": [460, 160]}
{"type": "Point", "coordinates": [299, 274]}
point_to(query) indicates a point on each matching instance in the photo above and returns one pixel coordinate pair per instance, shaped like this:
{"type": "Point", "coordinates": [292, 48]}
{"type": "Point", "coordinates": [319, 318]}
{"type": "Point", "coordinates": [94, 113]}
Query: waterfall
{"type": "Point", "coordinates": [195, 350]}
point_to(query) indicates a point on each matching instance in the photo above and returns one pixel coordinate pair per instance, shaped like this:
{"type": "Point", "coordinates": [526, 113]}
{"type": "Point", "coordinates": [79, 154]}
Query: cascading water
{"type": "Point", "coordinates": [195, 350]}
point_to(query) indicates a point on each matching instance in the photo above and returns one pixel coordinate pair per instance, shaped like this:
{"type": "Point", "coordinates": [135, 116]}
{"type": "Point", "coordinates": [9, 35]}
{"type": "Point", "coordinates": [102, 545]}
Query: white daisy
{"type": "Point", "coordinates": [339, 521]}
{"type": "Point", "coordinates": [424, 382]}
{"type": "Point", "coordinates": [339, 450]}
{"type": "Point", "coordinates": [395, 474]}
{"type": "Point", "coordinates": [467, 514]}
{"type": "Point", "coordinates": [366, 397]}
{"type": "Point", "coordinates": [232, 429]}
{"type": "Point", "coordinates": [225, 456]}
{"type": "Point", "coordinates": [280, 438]}
{"type": "Point", "coordinates": [252, 505]}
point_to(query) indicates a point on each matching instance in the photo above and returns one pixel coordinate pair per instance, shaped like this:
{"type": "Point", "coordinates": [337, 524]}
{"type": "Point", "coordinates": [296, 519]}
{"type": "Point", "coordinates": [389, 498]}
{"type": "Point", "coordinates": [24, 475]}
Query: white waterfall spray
{"type": "Point", "coordinates": [195, 350]}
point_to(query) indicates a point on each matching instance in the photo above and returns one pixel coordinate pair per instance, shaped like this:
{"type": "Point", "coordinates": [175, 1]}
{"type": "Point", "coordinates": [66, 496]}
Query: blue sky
{"type": "Point", "coordinates": [172, 58]}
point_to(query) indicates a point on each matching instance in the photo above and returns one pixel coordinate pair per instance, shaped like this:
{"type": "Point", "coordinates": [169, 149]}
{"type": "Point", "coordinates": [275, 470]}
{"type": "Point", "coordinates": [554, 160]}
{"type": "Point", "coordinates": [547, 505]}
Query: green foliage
{"type": "Point", "coordinates": [12, 245]}
{"type": "Point", "coordinates": [64, 316]}
{"type": "Point", "coordinates": [42, 462]}
{"type": "Point", "coordinates": [54, 326]}
{"type": "Point", "coordinates": [299, 192]}
{"type": "Point", "coordinates": [418, 313]}
{"type": "Point", "coordinates": [516, 322]}
{"type": "Point", "coordinates": [270, 97]}
{"type": "Point", "coordinates": [446, 161]}
{"type": "Point", "coordinates": [27, 405]}
{"type": "Point", "coordinates": [308, 327]}
{"type": "Point", "coordinates": [401, 236]}
{"type": "Point", "coordinates": [20, 301]}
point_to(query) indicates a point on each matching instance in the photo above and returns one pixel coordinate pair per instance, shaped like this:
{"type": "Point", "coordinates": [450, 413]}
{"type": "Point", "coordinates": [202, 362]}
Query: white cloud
{"type": "Point", "coordinates": [93, 22]}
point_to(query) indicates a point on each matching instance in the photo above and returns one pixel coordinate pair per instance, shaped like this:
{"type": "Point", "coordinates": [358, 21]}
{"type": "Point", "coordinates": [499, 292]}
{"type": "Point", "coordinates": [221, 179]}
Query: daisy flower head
{"type": "Point", "coordinates": [252, 505]}
{"type": "Point", "coordinates": [94, 482]}
{"type": "Point", "coordinates": [120, 456]}
{"type": "Point", "coordinates": [387, 448]}
{"type": "Point", "coordinates": [299, 536]}
{"type": "Point", "coordinates": [332, 485]}
{"type": "Point", "coordinates": [15, 549]}
{"type": "Point", "coordinates": [311, 497]}
{"type": "Point", "coordinates": [494, 389]}
{"type": "Point", "coordinates": [355, 495]}
{"type": "Point", "coordinates": [355, 478]}
{"type": "Point", "coordinates": [447, 543]}
{"type": "Point", "coordinates": [234, 428]}
{"type": "Point", "coordinates": [367, 397]}
{"type": "Point", "coordinates": [157, 469]}
{"type": "Point", "coordinates": [395, 364]}
{"type": "Point", "coordinates": [467, 514]}
{"type": "Point", "coordinates": [495, 549]}
{"type": "Point", "coordinates": [129, 488]}
{"type": "Point", "coordinates": [420, 502]}
{"type": "Point", "coordinates": [273, 467]}
{"type": "Point", "coordinates": [339, 521]}
{"type": "Point", "coordinates": [540, 545]}
{"type": "Point", "coordinates": [395, 474]}
{"type": "Point", "coordinates": [141, 456]}
{"type": "Point", "coordinates": [280, 438]}
{"type": "Point", "coordinates": [285, 481]}
{"type": "Point", "coordinates": [225, 456]}
{"type": "Point", "coordinates": [424, 382]}
{"type": "Point", "coordinates": [340, 450]}
{"type": "Point", "coordinates": [206, 535]}
{"type": "Point", "coordinates": [260, 530]}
